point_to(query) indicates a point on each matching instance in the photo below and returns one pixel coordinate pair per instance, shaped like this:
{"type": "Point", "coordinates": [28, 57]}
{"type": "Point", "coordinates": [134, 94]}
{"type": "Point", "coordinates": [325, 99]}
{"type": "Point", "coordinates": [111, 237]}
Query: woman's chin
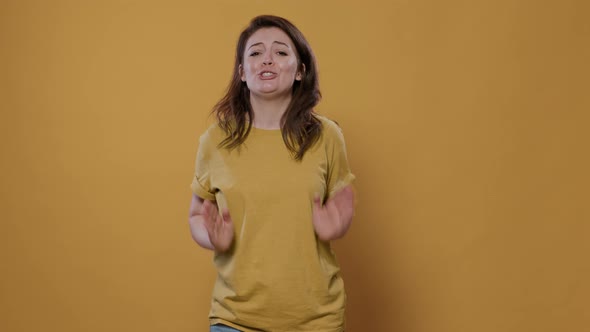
{"type": "Point", "coordinates": [271, 93]}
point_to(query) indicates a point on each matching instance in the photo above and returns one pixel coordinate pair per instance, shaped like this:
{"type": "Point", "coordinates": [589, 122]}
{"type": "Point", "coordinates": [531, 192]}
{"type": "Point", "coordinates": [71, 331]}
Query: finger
{"type": "Point", "coordinates": [212, 210]}
{"type": "Point", "coordinates": [343, 193]}
{"type": "Point", "coordinates": [347, 191]}
{"type": "Point", "coordinates": [204, 206]}
{"type": "Point", "coordinates": [218, 221]}
{"type": "Point", "coordinates": [351, 195]}
{"type": "Point", "coordinates": [344, 197]}
{"type": "Point", "coordinates": [209, 215]}
{"type": "Point", "coordinates": [317, 201]}
{"type": "Point", "coordinates": [205, 210]}
{"type": "Point", "coordinates": [226, 216]}
{"type": "Point", "coordinates": [215, 213]}
{"type": "Point", "coordinates": [208, 223]}
{"type": "Point", "coordinates": [346, 202]}
{"type": "Point", "coordinates": [350, 201]}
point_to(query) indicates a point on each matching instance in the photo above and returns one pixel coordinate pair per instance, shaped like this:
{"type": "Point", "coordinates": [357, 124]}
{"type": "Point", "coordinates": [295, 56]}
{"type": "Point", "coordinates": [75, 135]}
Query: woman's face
{"type": "Point", "coordinates": [270, 64]}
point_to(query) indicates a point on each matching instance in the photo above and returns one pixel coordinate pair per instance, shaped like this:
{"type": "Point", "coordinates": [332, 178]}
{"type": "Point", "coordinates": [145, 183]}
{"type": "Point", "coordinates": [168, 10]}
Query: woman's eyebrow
{"type": "Point", "coordinates": [281, 43]}
{"type": "Point", "coordinates": [274, 42]}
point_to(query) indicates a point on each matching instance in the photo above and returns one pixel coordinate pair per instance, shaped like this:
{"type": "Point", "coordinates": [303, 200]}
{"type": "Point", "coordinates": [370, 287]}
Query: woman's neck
{"type": "Point", "coordinates": [268, 112]}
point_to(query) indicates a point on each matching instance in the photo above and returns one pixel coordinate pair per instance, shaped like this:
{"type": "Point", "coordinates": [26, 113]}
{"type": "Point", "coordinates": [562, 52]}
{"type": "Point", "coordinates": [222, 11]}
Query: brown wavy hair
{"type": "Point", "coordinates": [300, 127]}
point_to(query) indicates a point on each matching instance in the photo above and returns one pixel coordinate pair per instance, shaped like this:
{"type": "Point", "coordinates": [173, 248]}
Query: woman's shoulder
{"type": "Point", "coordinates": [212, 136]}
{"type": "Point", "coordinates": [330, 128]}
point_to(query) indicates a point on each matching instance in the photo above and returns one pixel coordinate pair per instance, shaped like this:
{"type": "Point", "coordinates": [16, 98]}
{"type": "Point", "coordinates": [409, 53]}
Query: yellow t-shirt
{"type": "Point", "coordinates": [278, 276]}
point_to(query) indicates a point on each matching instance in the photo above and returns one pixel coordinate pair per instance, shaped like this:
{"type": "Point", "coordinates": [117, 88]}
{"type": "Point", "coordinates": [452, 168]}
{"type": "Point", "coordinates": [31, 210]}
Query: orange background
{"type": "Point", "coordinates": [467, 128]}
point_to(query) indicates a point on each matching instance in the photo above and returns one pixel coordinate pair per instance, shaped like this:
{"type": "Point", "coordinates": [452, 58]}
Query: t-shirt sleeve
{"type": "Point", "coordinates": [339, 173]}
{"type": "Point", "coordinates": [201, 184]}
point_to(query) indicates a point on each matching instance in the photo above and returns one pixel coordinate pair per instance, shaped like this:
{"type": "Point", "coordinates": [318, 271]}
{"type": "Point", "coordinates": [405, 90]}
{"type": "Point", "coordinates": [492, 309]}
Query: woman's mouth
{"type": "Point", "coordinates": [267, 75]}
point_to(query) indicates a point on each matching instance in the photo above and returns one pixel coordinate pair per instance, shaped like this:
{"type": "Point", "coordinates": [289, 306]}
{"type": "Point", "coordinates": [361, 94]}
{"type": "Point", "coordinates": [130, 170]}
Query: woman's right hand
{"type": "Point", "coordinates": [219, 227]}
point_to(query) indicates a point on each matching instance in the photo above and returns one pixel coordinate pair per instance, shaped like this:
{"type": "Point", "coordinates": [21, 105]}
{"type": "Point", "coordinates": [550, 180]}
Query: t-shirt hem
{"type": "Point", "coordinates": [213, 321]}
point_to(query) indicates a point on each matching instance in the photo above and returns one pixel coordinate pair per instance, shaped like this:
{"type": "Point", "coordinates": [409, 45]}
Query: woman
{"type": "Point", "coordinates": [271, 189]}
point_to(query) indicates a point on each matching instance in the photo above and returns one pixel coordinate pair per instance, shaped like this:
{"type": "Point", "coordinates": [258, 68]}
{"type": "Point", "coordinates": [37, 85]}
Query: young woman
{"type": "Point", "coordinates": [272, 188]}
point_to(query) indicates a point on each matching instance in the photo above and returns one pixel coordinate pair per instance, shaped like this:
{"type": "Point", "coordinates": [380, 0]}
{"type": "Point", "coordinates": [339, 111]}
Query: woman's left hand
{"type": "Point", "coordinates": [332, 219]}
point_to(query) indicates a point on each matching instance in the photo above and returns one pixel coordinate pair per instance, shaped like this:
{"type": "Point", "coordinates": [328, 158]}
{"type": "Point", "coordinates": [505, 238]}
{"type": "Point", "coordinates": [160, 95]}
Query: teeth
{"type": "Point", "coordinates": [266, 74]}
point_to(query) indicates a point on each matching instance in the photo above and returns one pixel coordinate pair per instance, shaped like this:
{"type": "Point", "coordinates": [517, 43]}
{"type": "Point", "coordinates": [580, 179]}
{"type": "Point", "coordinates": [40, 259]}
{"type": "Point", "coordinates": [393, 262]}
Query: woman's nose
{"type": "Point", "coordinates": [267, 60]}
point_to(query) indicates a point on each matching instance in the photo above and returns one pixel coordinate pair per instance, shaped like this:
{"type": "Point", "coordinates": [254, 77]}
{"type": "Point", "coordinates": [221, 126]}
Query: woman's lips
{"type": "Point", "coordinates": [267, 75]}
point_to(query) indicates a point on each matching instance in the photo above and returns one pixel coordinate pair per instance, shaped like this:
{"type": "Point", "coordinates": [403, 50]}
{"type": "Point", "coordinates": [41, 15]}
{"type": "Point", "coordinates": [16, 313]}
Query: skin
{"type": "Point", "coordinates": [209, 228]}
{"type": "Point", "coordinates": [332, 220]}
{"type": "Point", "coordinates": [269, 50]}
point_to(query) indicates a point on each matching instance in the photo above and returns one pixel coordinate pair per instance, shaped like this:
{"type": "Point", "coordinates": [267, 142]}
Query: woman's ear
{"type": "Point", "coordinates": [300, 73]}
{"type": "Point", "coordinates": [241, 71]}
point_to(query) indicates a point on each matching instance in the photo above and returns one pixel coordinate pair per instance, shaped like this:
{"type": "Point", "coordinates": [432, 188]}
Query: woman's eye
{"type": "Point", "coordinates": [282, 53]}
{"type": "Point", "coordinates": [255, 53]}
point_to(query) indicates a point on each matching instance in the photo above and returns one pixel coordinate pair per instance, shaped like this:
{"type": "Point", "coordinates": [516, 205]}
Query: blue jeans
{"type": "Point", "coordinates": [222, 328]}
